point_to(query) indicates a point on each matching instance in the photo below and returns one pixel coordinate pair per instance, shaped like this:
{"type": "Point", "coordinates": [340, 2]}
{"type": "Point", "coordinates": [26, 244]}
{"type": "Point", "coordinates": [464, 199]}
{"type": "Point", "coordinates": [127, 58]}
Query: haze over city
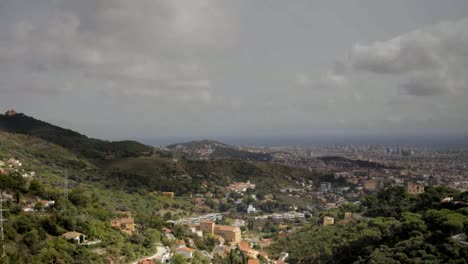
{"type": "Point", "coordinates": [157, 70]}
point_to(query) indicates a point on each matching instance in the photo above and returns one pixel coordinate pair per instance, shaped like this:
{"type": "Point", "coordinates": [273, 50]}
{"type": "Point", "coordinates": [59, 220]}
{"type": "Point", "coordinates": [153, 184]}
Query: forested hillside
{"type": "Point", "coordinates": [395, 228]}
{"type": "Point", "coordinates": [81, 144]}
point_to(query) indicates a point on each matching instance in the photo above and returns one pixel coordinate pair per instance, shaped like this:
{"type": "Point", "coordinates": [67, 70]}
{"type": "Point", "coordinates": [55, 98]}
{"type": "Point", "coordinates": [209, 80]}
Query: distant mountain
{"type": "Point", "coordinates": [13, 122]}
{"type": "Point", "coordinates": [208, 149]}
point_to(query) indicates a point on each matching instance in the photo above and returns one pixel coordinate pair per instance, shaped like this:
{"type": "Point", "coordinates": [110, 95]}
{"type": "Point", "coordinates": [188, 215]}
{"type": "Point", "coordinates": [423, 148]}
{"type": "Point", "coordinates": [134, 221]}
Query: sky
{"type": "Point", "coordinates": [147, 69]}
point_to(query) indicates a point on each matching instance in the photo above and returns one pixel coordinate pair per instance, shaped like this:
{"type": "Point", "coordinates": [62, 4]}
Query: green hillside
{"type": "Point", "coordinates": [36, 237]}
{"type": "Point", "coordinates": [396, 228]}
{"type": "Point", "coordinates": [187, 176]}
{"type": "Point", "coordinates": [88, 147]}
{"type": "Point", "coordinates": [104, 178]}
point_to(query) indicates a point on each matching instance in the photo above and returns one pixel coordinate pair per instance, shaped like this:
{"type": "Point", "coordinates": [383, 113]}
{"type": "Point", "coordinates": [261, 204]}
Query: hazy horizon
{"type": "Point", "coordinates": [434, 141]}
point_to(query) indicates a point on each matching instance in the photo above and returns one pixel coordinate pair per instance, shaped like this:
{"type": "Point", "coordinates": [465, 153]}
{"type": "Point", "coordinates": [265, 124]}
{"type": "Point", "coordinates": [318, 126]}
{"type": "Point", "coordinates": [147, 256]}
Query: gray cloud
{"type": "Point", "coordinates": [149, 44]}
{"type": "Point", "coordinates": [431, 59]}
{"type": "Point", "coordinates": [427, 85]}
{"type": "Point", "coordinates": [211, 67]}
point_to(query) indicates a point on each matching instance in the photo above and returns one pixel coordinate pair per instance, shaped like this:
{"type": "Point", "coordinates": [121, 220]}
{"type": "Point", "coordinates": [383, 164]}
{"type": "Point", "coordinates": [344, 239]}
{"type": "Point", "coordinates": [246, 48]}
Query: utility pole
{"type": "Point", "coordinates": [2, 234]}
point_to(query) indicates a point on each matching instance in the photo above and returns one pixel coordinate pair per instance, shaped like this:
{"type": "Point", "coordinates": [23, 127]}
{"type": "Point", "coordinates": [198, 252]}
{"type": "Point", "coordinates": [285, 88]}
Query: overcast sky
{"type": "Point", "coordinates": [204, 68]}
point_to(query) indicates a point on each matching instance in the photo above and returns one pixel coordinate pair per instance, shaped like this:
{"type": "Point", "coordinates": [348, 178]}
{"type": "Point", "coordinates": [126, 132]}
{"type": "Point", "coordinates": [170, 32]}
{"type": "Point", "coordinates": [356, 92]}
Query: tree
{"type": "Point", "coordinates": [179, 259]}
{"type": "Point", "coordinates": [198, 258]}
{"type": "Point", "coordinates": [35, 188]}
{"type": "Point", "coordinates": [14, 181]}
{"type": "Point", "coordinates": [79, 197]}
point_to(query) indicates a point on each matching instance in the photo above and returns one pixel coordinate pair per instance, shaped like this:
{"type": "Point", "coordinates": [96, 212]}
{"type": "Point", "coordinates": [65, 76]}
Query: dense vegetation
{"type": "Point", "coordinates": [187, 176]}
{"type": "Point", "coordinates": [396, 228]}
{"type": "Point", "coordinates": [105, 178]}
{"type": "Point", "coordinates": [36, 237]}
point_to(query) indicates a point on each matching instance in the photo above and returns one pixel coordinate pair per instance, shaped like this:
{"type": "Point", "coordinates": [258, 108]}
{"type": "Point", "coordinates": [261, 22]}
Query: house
{"type": "Point", "coordinates": [125, 224]}
{"type": "Point", "coordinates": [229, 233]}
{"type": "Point", "coordinates": [327, 220]}
{"type": "Point", "coordinates": [169, 195]}
{"type": "Point", "coordinates": [241, 187]}
{"type": "Point", "coordinates": [415, 188]}
{"type": "Point", "coordinates": [76, 237]}
{"type": "Point", "coordinates": [185, 251]}
{"type": "Point", "coordinates": [251, 209]}
{"type": "Point", "coordinates": [244, 246]}
{"type": "Point", "coordinates": [180, 244]}
{"type": "Point", "coordinates": [265, 242]}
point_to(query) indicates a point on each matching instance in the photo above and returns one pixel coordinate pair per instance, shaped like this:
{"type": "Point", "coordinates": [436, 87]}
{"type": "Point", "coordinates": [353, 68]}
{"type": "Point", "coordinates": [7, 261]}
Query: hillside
{"type": "Point", "coordinates": [207, 149]}
{"type": "Point", "coordinates": [128, 165]}
{"type": "Point", "coordinates": [36, 237]}
{"type": "Point", "coordinates": [397, 228]}
{"type": "Point", "coordinates": [193, 176]}
{"type": "Point", "coordinates": [78, 143]}
{"type": "Point", "coordinates": [98, 188]}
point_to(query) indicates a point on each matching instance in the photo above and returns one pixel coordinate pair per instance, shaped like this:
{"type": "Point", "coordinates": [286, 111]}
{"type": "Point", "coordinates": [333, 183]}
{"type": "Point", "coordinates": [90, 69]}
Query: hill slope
{"type": "Point", "coordinates": [88, 147]}
{"type": "Point", "coordinates": [131, 166]}
{"type": "Point", "coordinates": [207, 149]}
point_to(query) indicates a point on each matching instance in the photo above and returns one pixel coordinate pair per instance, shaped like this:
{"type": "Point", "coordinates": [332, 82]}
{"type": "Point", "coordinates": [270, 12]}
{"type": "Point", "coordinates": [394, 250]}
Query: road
{"type": "Point", "coordinates": [160, 251]}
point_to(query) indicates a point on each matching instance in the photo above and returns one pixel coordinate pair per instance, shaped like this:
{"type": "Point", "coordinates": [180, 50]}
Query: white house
{"type": "Point", "coordinates": [251, 209]}
{"type": "Point", "coordinates": [75, 236]}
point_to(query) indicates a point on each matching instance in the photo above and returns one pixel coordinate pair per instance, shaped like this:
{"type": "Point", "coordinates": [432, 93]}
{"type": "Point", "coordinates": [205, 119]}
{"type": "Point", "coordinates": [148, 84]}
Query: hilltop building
{"type": "Point", "coordinates": [11, 112]}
